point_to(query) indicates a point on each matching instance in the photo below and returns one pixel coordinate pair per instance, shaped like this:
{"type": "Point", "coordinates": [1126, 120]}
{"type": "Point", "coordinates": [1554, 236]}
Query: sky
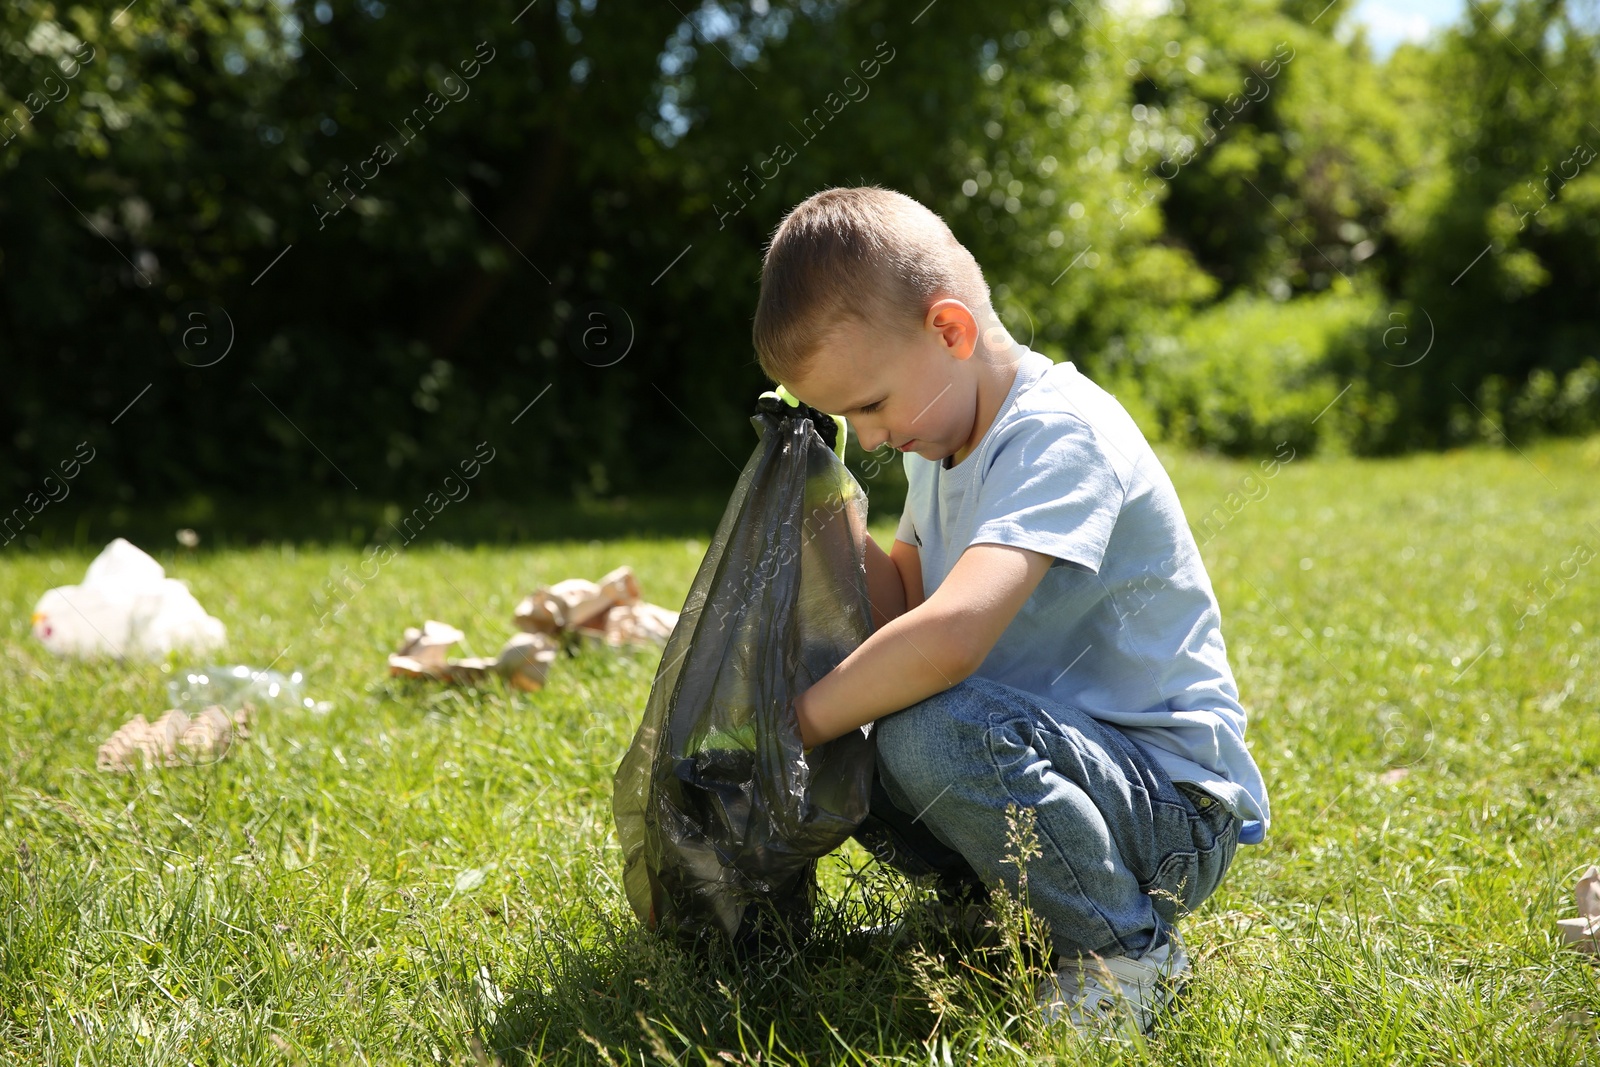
{"type": "Point", "coordinates": [1391, 22]}
{"type": "Point", "coordinates": [1388, 22]}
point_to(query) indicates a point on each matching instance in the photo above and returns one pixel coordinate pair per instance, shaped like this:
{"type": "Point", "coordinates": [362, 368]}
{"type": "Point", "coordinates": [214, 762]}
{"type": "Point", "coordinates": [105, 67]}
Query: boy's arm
{"type": "Point", "coordinates": [894, 581]}
{"type": "Point", "coordinates": [927, 649]}
{"type": "Point", "coordinates": [909, 562]}
{"type": "Point", "coordinates": [885, 588]}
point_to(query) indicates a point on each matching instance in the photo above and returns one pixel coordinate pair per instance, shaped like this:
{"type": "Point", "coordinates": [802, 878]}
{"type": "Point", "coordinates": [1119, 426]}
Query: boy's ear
{"type": "Point", "coordinates": [953, 321]}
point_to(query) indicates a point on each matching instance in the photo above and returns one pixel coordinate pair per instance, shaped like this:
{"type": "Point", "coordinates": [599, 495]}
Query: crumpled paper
{"type": "Point", "coordinates": [551, 616]}
{"type": "Point", "coordinates": [524, 661]}
{"type": "Point", "coordinates": [1583, 932]}
{"type": "Point", "coordinates": [610, 610]}
{"type": "Point", "coordinates": [175, 739]}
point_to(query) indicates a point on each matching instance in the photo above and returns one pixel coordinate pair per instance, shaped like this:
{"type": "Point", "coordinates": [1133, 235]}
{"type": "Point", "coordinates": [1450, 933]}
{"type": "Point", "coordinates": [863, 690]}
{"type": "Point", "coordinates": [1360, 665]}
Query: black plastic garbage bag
{"type": "Point", "coordinates": [721, 816]}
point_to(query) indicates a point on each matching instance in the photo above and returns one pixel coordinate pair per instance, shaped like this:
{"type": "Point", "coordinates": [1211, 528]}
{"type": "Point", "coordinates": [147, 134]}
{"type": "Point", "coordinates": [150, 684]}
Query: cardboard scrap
{"type": "Point", "coordinates": [636, 624]}
{"type": "Point", "coordinates": [175, 739]}
{"type": "Point", "coordinates": [610, 610]}
{"type": "Point", "coordinates": [1583, 932]}
{"type": "Point", "coordinates": [524, 660]}
{"type": "Point", "coordinates": [548, 618]}
{"type": "Point", "coordinates": [575, 602]}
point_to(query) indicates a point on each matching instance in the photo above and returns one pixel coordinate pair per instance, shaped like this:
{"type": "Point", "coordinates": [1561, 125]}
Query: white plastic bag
{"type": "Point", "coordinates": [125, 607]}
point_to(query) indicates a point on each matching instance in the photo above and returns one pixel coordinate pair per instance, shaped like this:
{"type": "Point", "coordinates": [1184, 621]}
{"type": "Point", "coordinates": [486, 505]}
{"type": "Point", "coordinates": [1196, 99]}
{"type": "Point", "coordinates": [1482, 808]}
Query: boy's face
{"type": "Point", "coordinates": [913, 390]}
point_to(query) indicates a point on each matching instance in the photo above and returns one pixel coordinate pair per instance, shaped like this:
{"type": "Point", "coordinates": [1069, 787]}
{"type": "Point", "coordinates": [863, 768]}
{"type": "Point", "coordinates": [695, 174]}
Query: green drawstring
{"type": "Point", "coordinates": [793, 401]}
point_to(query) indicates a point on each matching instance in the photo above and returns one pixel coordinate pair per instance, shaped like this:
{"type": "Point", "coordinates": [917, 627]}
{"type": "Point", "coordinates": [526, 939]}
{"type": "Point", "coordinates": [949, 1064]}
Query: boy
{"type": "Point", "coordinates": [1045, 636]}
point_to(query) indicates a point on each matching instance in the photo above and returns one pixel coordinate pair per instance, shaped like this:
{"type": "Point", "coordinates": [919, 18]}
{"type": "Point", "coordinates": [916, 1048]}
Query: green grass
{"type": "Point", "coordinates": [1431, 764]}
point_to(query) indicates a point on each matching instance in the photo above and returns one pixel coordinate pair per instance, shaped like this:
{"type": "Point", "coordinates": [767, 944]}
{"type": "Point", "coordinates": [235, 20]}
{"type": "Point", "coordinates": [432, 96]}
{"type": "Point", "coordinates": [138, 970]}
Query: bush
{"type": "Point", "coordinates": [1250, 373]}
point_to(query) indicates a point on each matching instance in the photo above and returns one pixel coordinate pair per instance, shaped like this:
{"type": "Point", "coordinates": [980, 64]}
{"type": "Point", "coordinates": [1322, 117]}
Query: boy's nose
{"type": "Point", "coordinates": [869, 438]}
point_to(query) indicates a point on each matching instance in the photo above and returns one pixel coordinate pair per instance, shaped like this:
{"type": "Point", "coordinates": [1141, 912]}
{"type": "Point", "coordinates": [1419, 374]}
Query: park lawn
{"type": "Point", "coordinates": [427, 875]}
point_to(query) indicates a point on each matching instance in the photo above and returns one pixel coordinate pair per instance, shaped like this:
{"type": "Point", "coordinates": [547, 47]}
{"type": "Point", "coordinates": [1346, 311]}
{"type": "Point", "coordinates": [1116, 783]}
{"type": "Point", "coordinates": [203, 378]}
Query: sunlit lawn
{"type": "Point", "coordinates": [1430, 745]}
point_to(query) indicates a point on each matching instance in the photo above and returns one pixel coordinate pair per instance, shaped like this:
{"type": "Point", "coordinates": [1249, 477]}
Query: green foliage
{"type": "Point", "coordinates": [1252, 375]}
{"type": "Point", "coordinates": [387, 315]}
{"type": "Point", "coordinates": [1301, 167]}
{"type": "Point", "coordinates": [406, 225]}
{"type": "Point", "coordinates": [1498, 241]}
{"type": "Point", "coordinates": [1262, 146]}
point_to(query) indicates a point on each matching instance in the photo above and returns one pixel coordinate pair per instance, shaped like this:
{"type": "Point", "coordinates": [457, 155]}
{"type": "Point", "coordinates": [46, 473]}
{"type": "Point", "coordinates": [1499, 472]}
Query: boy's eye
{"type": "Point", "coordinates": [874, 406]}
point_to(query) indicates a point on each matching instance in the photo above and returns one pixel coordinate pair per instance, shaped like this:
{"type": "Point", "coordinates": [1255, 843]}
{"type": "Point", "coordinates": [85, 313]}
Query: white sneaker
{"type": "Point", "coordinates": [1111, 993]}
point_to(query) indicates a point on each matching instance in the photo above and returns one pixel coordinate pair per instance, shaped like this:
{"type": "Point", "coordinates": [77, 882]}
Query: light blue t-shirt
{"type": "Point", "coordinates": [1124, 625]}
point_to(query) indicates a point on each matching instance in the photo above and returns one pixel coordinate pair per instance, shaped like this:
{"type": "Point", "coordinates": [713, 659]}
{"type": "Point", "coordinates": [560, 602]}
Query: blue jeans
{"type": "Point", "coordinates": [1126, 851]}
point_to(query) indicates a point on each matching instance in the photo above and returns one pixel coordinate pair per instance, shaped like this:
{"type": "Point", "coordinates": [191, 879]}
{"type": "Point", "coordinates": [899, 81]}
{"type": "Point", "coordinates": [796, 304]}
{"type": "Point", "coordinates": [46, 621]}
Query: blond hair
{"type": "Point", "coordinates": [865, 253]}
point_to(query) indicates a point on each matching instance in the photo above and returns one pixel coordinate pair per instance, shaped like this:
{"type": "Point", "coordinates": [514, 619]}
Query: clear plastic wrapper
{"type": "Point", "coordinates": [193, 688]}
{"type": "Point", "coordinates": [721, 814]}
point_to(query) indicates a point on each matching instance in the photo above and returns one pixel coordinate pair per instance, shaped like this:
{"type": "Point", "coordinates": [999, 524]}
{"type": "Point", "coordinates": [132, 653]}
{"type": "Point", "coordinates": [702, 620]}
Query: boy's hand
{"type": "Point", "coordinates": [831, 428]}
